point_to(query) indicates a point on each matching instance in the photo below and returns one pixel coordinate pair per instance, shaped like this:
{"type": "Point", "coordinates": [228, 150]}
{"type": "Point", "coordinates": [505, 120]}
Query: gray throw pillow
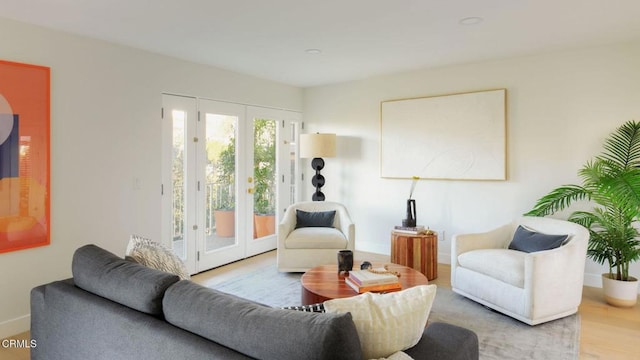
{"type": "Point", "coordinates": [101, 272]}
{"type": "Point", "coordinates": [314, 219]}
{"type": "Point", "coordinates": [530, 241]}
{"type": "Point", "coordinates": [260, 331]}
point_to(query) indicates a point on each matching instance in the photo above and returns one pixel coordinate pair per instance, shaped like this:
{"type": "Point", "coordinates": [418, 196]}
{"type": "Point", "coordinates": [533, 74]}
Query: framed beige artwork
{"type": "Point", "coordinates": [459, 136]}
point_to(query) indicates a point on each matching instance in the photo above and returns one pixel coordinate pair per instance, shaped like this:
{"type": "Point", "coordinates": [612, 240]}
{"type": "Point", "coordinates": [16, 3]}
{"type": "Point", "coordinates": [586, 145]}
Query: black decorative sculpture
{"type": "Point", "coordinates": [410, 221]}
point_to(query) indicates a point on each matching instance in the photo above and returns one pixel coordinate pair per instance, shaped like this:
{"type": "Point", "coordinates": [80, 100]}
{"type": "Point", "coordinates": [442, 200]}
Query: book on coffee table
{"type": "Point", "coordinates": [368, 278]}
{"type": "Point", "coordinates": [374, 288]}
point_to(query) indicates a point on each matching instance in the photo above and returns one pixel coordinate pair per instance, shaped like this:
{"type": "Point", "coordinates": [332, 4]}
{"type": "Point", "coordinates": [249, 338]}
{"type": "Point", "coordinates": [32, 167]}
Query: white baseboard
{"type": "Point", "coordinates": [443, 258]}
{"type": "Point", "coordinates": [593, 280]}
{"type": "Point", "coordinates": [374, 248]}
{"type": "Point", "coordinates": [15, 326]}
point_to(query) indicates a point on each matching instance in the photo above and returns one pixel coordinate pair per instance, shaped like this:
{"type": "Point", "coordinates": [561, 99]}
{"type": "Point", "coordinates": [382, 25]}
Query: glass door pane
{"type": "Point", "coordinates": [264, 177]}
{"type": "Point", "coordinates": [178, 120]}
{"type": "Point", "coordinates": [294, 170]}
{"type": "Point", "coordinates": [220, 181]}
{"type": "Point", "coordinates": [220, 199]}
{"type": "Point", "coordinates": [179, 115]}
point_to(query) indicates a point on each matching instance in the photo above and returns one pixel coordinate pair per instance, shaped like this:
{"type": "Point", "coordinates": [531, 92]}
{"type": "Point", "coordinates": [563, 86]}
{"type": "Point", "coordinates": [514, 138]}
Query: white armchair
{"type": "Point", "coordinates": [301, 249]}
{"type": "Point", "coordinates": [531, 287]}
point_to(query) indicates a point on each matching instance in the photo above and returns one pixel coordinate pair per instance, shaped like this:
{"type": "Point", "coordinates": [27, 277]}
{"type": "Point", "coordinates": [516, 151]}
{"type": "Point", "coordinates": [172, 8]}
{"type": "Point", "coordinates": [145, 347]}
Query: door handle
{"type": "Point", "coordinates": [250, 190]}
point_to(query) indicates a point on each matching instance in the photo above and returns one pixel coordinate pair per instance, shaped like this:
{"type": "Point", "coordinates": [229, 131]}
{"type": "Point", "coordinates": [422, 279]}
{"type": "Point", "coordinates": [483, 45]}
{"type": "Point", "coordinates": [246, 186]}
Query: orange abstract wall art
{"type": "Point", "coordinates": [24, 156]}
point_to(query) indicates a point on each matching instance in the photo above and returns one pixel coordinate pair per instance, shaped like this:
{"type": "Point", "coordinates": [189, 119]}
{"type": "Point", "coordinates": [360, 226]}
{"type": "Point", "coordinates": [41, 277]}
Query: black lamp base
{"type": "Point", "coordinates": [318, 196]}
{"type": "Point", "coordinates": [318, 180]}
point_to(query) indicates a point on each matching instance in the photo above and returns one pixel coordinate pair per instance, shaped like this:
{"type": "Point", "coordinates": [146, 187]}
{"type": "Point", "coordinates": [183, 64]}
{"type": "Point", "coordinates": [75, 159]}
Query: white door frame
{"type": "Point", "coordinates": [197, 259]}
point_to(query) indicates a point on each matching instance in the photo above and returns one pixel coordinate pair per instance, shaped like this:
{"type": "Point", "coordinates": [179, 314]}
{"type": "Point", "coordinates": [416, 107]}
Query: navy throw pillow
{"type": "Point", "coordinates": [531, 241]}
{"type": "Point", "coordinates": [314, 219]}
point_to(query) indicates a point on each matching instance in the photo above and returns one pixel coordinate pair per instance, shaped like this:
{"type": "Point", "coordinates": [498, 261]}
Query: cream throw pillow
{"type": "Point", "coordinates": [387, 323]}
{"type": "Point", "coordinates": [154, 255]}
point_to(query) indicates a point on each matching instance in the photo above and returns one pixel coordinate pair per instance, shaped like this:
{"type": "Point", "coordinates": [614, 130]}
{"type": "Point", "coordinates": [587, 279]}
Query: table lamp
{"type": "Point", "coordinates": [317, 146]}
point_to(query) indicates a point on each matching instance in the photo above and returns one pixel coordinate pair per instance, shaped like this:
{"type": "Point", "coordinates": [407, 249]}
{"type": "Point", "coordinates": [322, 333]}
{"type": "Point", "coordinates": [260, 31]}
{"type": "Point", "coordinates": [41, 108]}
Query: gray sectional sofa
{"type": "Point", "coordinates": [118, 309]}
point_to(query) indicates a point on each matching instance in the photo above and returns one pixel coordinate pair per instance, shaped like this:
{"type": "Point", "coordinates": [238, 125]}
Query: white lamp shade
{"type": "Point", "coordinates": [317, 145]}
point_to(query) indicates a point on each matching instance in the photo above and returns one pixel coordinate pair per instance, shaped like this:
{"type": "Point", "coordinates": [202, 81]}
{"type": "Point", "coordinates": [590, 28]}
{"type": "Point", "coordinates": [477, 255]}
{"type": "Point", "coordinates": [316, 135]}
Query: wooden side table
{"type": "Point", "coordinates": [419, 252]}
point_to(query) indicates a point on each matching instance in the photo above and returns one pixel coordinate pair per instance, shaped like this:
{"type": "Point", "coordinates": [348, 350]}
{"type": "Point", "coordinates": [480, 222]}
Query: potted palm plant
{"type": "Point", "coordinates": [612, 182]}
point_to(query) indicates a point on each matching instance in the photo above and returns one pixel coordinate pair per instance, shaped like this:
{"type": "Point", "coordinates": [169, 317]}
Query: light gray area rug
{"type": "Point", "coordinates": [500, 336]}
{"type": "Point", "coordinates": [266, 286]}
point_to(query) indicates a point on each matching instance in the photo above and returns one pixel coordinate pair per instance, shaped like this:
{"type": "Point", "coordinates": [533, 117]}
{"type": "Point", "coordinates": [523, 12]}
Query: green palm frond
{"type": "Point", "coordinates": [583, 218]}
{"type": "Point", "coordinates": [623, 191]}
{"type": "Point", "coordinates": [600, 251]}
{"type": "Point", "coordinates": [592, 172]}
{"type": "Point", "coordinates": [623, 146]}
{"type": "Point", "coordinates": [559, 199]}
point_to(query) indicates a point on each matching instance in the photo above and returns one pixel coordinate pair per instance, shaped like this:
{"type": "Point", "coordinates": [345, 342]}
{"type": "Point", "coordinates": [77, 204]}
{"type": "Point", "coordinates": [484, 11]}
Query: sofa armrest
{"type": "Point", "coordinates": [461, 243]}
{"type": "Point", "coordinates": [286, 226]}
{"type": "Point", "coordinates": [493, 239]}
{"type": "Point", "coordinates": [556, 274]}
{"type": "Point", "coordinates": [347, 227]}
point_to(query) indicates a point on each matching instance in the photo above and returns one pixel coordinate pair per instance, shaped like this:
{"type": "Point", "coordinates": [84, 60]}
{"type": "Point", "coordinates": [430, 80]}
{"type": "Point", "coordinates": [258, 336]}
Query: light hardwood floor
{"type": "Point", "coordinates": [606, 332]}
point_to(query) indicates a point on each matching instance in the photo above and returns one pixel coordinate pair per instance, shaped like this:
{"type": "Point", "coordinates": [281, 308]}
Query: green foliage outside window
{"type": "Point", "coordinates": [264, 143]}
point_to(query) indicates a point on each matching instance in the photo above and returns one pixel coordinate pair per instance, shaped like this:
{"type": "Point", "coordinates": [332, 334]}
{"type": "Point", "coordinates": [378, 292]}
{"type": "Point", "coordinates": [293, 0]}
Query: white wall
{"type": "Point", "coordinates": [105, 132]}
{"type": "Point", "coordinates": [560, 109]}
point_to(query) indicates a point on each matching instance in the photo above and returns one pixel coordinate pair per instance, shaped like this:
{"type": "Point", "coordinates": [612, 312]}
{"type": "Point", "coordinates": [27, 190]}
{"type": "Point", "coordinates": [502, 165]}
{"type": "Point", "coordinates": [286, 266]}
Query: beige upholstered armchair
{"type": "Point", "coordinates": [301, 245]}
{"type": "Point", "coordinates": [533, 287]}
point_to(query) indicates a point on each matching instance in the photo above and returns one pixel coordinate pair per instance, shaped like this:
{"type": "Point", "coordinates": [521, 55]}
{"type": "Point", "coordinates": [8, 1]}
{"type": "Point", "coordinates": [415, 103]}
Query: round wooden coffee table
{"type": "Point", "coordinates": [323, 283]}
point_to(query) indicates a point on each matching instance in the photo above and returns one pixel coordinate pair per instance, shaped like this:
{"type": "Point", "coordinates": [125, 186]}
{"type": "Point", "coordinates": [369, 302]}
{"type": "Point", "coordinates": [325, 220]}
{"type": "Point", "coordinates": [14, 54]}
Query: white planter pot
{"type": "Point", "coordinates": [620, 293]}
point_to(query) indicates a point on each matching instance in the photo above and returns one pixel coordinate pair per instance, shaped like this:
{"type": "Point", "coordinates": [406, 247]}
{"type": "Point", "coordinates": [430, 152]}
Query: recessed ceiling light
{"type": "Point", "coordinates": [313, 51]}
{"type": "Point", "coordinates": [472, 20]}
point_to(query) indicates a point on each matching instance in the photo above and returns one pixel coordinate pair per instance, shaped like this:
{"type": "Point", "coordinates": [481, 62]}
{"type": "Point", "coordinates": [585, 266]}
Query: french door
{"type": "Point", "coordinates": [229, 171]}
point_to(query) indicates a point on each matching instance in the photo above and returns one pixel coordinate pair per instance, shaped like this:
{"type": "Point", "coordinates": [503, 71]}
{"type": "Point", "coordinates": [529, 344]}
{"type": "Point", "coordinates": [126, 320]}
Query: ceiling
{"type": "Point", "coordinates": [357, 38]}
